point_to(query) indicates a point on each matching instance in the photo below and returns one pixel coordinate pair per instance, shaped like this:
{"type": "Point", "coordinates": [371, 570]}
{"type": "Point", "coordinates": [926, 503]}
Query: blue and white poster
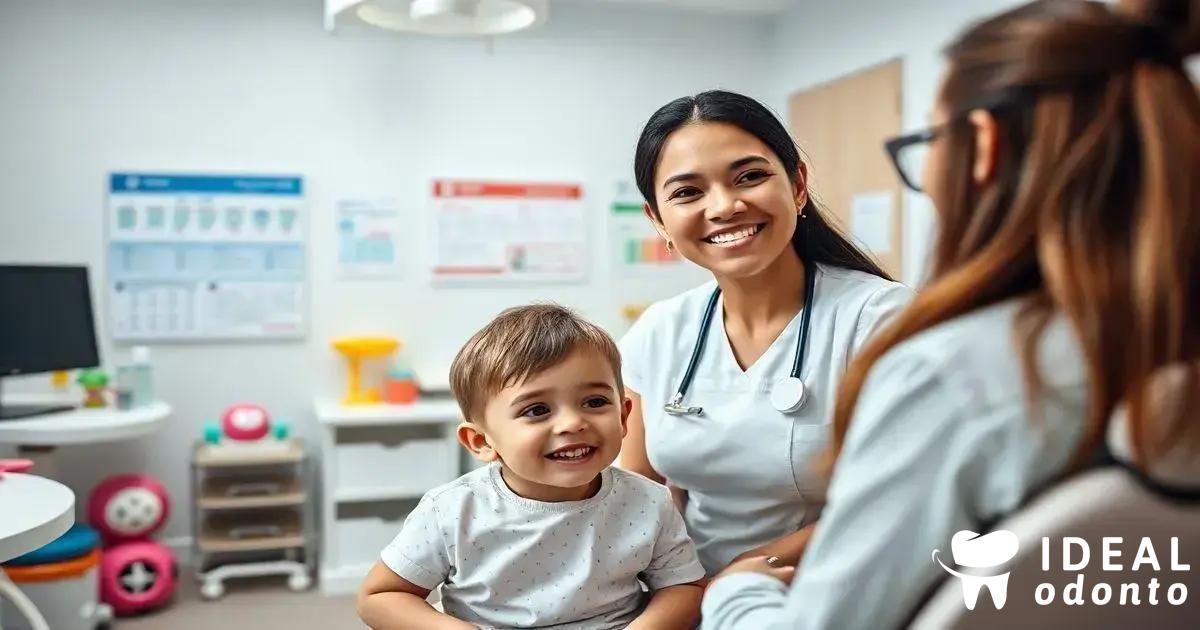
{"type": "Point", "coordinates": [206, 257]}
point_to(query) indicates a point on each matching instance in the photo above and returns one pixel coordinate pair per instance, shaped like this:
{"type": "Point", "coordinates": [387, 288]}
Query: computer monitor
{"type": "Point", "coordinates": [45, 325]}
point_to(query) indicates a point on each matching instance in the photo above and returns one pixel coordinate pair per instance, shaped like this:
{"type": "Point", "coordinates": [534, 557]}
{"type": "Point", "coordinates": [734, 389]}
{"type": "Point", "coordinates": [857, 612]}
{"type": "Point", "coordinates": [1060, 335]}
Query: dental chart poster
{"type": "Point", "coordinates": [508, 232]}
{"type": "Point", "coordinates": [206, 257]}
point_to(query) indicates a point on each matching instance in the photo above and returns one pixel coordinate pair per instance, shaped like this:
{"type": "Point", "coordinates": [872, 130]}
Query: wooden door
{"type": "Point", "coordinates": [841, 127]}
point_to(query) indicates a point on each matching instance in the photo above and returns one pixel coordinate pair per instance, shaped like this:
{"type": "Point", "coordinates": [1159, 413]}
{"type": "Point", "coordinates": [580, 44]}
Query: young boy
{"type": "Point", "coordinates": [546, 535]}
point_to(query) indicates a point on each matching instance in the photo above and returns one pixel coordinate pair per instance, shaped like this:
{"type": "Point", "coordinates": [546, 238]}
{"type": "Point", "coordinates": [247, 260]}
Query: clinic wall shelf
{"type": "Point", "coordinates": [245, 503]}
{"type": "Point", "coordinates": [333, 413]}
{"type": "Point", "coordinates": [254, 492]}
{"type": "Point", "coordinates": [82, 425]}
{"type": "Point", "coordinates": [292, 452]}
{"type": "Point", "coordinates": [376, 462]}
{"type": "Point", "coordinates": [225, 544]}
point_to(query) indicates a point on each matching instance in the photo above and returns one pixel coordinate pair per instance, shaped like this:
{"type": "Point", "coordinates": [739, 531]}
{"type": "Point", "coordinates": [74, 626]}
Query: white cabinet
{"type": "Point", "coordinates": [376, 462]}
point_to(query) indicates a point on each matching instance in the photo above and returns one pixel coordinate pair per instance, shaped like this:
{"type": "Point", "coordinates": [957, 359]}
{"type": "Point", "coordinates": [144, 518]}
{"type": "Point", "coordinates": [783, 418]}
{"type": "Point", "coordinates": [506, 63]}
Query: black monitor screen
{"type": "Point", "coordinates": [45, 320]}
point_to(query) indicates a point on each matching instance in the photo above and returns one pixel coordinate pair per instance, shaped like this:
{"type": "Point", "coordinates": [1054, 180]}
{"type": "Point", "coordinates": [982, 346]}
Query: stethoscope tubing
{"type": "Point", "coordinates": [675, 404]}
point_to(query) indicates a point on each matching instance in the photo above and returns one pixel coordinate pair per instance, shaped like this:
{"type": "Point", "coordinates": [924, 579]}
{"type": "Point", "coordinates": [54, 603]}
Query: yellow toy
{"type": "Point", "coordinates": [355, 349]}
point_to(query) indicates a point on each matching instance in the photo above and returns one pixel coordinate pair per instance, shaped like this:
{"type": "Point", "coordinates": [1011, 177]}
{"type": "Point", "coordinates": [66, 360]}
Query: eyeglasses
{"type": "Point", "coordinates": [909, 152]}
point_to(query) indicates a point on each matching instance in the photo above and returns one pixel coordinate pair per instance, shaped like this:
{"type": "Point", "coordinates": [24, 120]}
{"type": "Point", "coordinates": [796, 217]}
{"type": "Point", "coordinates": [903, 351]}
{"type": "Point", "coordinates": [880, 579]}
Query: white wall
{"type": "Point", "coordinates": [256, 86]}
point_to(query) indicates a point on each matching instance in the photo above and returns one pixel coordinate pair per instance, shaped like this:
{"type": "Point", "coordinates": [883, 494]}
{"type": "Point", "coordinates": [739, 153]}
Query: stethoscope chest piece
{"type": "Point", "coordinates": [788, 394]}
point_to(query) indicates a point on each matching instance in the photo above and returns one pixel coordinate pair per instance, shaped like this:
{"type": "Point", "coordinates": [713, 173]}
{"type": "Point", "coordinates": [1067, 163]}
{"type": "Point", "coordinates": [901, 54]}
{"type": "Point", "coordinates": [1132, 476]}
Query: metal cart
{"type": "Point", "coordinates": [252, 514]}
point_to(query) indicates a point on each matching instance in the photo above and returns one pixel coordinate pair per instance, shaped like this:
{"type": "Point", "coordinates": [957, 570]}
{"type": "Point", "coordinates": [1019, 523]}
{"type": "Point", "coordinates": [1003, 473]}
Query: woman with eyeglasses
{"type": "Point", "coordinates": [1066, 279]}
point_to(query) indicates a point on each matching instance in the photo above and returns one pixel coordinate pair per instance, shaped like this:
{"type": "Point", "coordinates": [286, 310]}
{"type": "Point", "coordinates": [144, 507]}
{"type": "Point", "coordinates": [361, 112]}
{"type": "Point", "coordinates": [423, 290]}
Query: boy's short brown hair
{"type": "Point", "coordinates": [520, 342]}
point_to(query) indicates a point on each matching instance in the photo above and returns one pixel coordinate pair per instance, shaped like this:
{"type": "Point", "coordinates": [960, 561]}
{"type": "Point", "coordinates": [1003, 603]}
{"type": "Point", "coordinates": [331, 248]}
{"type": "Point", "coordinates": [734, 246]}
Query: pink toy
{"type": "Point", "coordinates": [128, 507]}
{"type": "Point", "coordinates": [246, 425]}
{"type": "Point", "coordinates": [136, 573]}
{"type": "Point", "coordinates": [246, 422]}
{"type": "Point", "coordinates": [136, 576]}
{"type": "Point", "coordinates": [14, 466]}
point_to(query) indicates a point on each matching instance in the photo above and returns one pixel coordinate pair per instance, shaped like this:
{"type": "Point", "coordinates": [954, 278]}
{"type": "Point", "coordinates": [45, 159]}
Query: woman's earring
{"type": "Point", "coordinates": [670, 247]}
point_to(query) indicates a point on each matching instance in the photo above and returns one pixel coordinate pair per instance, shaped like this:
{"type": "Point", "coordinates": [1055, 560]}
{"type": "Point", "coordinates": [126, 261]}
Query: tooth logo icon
{"type": "Point", "coordinates": [987, 551]}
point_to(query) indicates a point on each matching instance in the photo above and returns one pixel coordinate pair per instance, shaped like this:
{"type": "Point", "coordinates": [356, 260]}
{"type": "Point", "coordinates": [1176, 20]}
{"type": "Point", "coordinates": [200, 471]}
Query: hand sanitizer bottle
{"type": "Point", "coordinates": [143, 382]}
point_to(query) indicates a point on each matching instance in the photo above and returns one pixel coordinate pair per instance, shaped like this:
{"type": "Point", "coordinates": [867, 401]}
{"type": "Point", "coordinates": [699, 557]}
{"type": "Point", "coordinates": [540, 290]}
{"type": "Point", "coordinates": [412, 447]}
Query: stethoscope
{"type": "Point", "coordinates": [788, 394]}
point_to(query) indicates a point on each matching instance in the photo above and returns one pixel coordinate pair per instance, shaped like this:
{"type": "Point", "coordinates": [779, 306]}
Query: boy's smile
{"type": "Point", "coordinates": [572, 454]}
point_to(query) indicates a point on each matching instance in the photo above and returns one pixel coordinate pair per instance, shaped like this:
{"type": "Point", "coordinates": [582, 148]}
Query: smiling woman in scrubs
{"type": "Point", "coordinates": [724, 185]}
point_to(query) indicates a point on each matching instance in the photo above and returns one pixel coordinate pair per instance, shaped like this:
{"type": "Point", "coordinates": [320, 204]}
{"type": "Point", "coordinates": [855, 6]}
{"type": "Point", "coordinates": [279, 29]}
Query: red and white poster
{"type": "Point", "coordinates": [508, 232]}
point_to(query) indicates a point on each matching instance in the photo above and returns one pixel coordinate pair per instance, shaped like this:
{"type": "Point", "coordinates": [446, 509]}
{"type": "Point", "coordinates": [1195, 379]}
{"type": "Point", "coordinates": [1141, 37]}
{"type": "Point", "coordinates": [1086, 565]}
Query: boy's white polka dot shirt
{"type": "Point", "coordinates": [508, 562]}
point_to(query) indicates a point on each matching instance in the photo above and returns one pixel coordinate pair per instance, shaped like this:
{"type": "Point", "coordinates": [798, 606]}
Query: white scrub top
{"type": "Point", "coordinates": [748, 469]}
{"type": "Point", "coordinates": [943, 439]}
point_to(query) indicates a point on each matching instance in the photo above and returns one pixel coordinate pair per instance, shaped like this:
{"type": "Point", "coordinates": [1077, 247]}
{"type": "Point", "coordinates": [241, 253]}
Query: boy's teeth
{"type": "Point", "coordinates": [572, 454]}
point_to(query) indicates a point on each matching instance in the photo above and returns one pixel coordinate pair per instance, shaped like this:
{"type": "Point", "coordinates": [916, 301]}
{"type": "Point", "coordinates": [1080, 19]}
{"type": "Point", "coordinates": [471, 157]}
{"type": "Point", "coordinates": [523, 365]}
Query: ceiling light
{"type": "Point", "coordinates": [440, 17]}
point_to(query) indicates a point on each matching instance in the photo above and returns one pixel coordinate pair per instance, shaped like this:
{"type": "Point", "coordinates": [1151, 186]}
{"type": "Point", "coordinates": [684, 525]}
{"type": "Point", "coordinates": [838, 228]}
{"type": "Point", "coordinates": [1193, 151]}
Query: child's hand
{"type": "Point", "coordinates": [672, 608]}
{"type": "Point", "coordinates": [760, 564]}
{"type": "Point", "coordinates": [387, 601]}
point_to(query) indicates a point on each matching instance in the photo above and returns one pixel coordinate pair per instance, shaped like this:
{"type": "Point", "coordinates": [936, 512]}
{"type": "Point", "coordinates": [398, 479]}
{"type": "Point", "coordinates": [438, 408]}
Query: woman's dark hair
{"type": "Point", "coordinates": [823, 243]}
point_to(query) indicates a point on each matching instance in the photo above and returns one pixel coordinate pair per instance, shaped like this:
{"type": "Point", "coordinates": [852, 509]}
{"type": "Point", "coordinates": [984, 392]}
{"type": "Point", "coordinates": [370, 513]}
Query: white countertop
{"type": "Point", "coordinates": [331, 411]}
{"type": "Point", "coordinates": [84, 425]}
{"type": "Point", "coordinates": [35, 511]}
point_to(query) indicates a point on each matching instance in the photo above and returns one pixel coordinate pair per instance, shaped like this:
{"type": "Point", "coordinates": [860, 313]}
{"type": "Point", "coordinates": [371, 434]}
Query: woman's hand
{"type": "Point", "coordinates": [770, 566]}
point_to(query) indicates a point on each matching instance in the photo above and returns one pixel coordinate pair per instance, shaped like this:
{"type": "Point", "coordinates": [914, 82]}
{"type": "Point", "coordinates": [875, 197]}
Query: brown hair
{"type": "Point", "coordinates": [1095, 209]}
{"type": "Point", "coordinates": [520, 342]}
